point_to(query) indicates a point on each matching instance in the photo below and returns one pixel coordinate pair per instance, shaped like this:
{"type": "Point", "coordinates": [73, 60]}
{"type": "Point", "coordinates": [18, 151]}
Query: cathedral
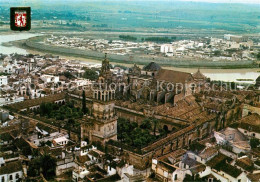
{"type": "Point", "coordinates": [146, 87]}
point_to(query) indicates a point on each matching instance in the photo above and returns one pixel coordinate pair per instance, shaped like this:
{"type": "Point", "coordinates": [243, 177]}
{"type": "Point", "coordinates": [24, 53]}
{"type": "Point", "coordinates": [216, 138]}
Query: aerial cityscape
{"type": "Point", "coordinates": [130, 91]}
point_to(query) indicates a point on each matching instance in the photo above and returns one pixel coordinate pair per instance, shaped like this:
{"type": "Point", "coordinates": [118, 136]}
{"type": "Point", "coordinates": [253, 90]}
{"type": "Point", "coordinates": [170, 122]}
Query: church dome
{"type": "Point", "coordinates": [152, 66]}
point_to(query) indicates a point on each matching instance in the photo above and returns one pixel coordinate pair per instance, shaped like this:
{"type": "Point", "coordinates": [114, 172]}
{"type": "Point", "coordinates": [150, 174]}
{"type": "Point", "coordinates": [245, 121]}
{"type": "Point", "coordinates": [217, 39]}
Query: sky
{"type": "Point", "coordinates": [227, 1]}
{"type": "Point", "coordinates": [208, 1]}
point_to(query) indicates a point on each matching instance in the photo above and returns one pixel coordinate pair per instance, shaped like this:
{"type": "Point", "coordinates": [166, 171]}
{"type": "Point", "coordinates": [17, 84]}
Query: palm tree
{"type": "Point", "coordinates": [155, 125]}
{"type": "Point", "coordinates": [84, 108]}
{"type": "Point", "coordinates": [71, 123]}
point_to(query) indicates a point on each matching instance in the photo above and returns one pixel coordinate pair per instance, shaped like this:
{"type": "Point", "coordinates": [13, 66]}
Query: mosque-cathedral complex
{"type": "Point", "coordinates": [141, 94]}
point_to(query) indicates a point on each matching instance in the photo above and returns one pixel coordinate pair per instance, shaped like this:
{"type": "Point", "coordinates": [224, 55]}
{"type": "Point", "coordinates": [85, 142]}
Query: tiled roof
{"type": "Point", "coordinates": [216, 161]}
{"type": "Point", "coordinates": [208, 152]}
{"type": "Point", "coordinates": [173, 76]}
{"type": "Point", "coordinates": [169, 138]}
{"type": "Point", "coordinates": [251, 123]}
{"type": "Point", "coordinates": [254, 177]}
{"type": "Point", "coordinates": [175, 154]}
{"type": "Point", "coordinates": [170, 168]}
{"type": "Point", "coordinates": [38, 101]}
{"type": "Point", "coordinates": [11, 167]}
{"type": "Point", "coordinates": [245, 163]}
{"type": "Point", "coordinates": [198, 168]}
{"type": "Point", "coordinates": [231, 170]}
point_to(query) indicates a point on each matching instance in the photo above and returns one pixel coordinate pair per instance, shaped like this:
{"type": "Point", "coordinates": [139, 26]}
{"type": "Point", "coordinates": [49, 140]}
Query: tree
{"type": "Point", "coordinates": [90, 74]}
{"type": "Point", "coordinates": [233, 85]}
{"type": "Point", "coordinates": [45, 164]}
{"type": "Point", "coordinates": [34, 167]}
{"type": "Point", "coordinates": [258, 56]}
{"type": "Point", "coordinates": [254, 142]}
{"type": "Point", "coordinates": [71, 123]}
{"type": "Point", "coordinates": [146, 124]}
{"type": "Point", "coordinates": [68, 75]}
{"type": "Point", "coordinates": [155, 124]}
{"type": "Point", "coordinates": [84, 108]}
{"type": "Point", "coordinates": [48, 166]}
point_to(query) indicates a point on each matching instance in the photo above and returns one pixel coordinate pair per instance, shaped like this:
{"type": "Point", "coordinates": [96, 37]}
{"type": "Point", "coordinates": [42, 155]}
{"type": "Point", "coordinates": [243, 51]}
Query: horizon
{"type": "Point", "coordinates": [192, 1]}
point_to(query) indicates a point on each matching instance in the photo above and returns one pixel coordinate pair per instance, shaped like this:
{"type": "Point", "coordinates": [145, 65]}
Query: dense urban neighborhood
{"type": "Point", "coordinates": [66, 120]}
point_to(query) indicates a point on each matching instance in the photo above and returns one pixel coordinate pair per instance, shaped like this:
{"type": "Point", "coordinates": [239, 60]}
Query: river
{"type": "Point", "coordinates": [12, 37]}
{"type": "Point", "coordinates": [229, 75]}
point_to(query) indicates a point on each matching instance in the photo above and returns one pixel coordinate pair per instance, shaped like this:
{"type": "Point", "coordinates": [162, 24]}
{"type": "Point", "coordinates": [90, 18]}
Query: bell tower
{"type": "Point", "coordinates": [105, 73]}
{"type": "Point", "coordinates": [103, 118]}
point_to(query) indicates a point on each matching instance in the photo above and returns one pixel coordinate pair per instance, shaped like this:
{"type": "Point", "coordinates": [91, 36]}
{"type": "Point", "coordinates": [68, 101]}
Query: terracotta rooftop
{"type": "Point", "coordinates": [169, 138]}
{"type": "Point", "coordinates": [251, 123]}
{"type": "Point", "coordinates": [254, 177]}
{"type": "Point", "coordinates": [167, 166]}
{"type": "Point", "coordinates": [245, 163]}
{"type": "Point", "coordinates": [173, 76]}
{"type": "Point", "coordinates": [218, 159]}
{"type": "Point", "coordinates": [208, 152]}
{"type": "Point", "coordinates": [35, 102]}
{"type": "Point", "coordinates": [231, 170]}
{"type": "Point", "coordinates": [220, 94]}
{"type": "Point", "coordinates": [11, 167]}
{"type": "Point", "coordinates": [184, 109]}
{"type": "Point", "coordinates": [198, 168]}
{"type": "Point", "coordinates": [175, 154]}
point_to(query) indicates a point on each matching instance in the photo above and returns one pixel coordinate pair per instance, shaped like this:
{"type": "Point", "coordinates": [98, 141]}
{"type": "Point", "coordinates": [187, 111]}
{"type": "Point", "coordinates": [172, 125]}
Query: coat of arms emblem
{"type": "Point", "coordinates": [20, 18]}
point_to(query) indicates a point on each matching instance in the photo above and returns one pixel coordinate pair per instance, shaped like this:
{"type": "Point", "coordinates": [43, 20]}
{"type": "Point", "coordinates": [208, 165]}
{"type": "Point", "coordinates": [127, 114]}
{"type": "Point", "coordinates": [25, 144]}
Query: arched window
{"type": "Point", "coordinates": [3, 179]}
{"type": "Point", "coordinates": [11, 177]}
{"type": "Point", "coordinates": [113, 126]}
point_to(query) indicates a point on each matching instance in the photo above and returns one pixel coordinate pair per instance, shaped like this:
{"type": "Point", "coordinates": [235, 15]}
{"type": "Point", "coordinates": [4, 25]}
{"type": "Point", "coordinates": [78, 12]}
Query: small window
{"type": "Point", "coordinates": [239, 180]}
{"type": "Point", "coordinates": [11, 177]}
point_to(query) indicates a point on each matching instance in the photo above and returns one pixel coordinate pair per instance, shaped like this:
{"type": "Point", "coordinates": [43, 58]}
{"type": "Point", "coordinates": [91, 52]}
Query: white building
{"type": "Point", "coordinates": [11, 172]}
{"type": "Point", "coordinates": [3, 80]}
{"type": "Point", "coordinates": [233, 138]}
{"type": "Point", "coordinates": [167, 49]}
{"type": "Point", "coordinates": [50, 78]}
{"type": "Point", "coordinates": [60, 141]}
